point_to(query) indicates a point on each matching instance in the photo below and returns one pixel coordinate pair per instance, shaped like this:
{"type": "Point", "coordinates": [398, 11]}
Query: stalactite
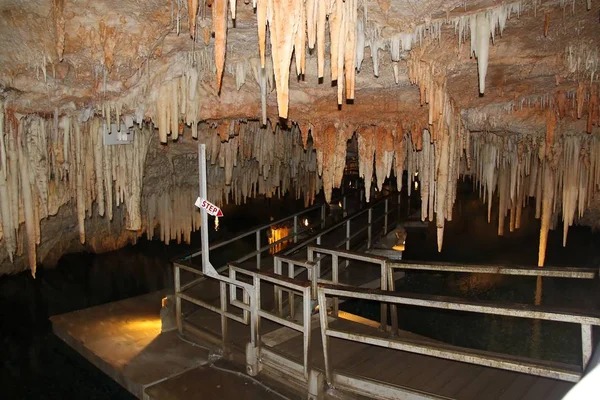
{"type": "Point", "coordinates": [283, 17]}
{"type": "Point", "coordinates": [28, 200]}
{"type": "Point", "coordinates": [192, 12]}
{"type": "Point", "coordinates": [366, 154]}
{"type": "Point", "coordinates": [219, 15]}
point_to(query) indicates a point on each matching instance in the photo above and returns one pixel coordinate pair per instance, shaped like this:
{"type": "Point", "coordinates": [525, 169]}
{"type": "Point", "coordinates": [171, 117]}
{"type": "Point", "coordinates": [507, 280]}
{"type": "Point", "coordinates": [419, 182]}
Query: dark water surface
{"type": "Point", "coordinates": [35, 364]}
{"type": "Point", "coordinates": [470, 239]}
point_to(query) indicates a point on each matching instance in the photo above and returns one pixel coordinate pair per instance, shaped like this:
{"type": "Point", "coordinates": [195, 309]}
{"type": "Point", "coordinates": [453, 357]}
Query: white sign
{"type": "Point", "coordinates": [117, 135]}
{"type": "Point", "coordinates": [209, 207]}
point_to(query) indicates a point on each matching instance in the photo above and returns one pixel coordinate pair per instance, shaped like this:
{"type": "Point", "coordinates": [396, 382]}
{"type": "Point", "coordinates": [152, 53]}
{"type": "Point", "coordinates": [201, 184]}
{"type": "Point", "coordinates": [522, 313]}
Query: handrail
{"type": "Point", "coordinates": [571, 374]}
{"type": "Point", "coordinates": [265, 226]}
{"type": "Point", "coordinates": [358, 213]}
{"type": "Point", "coordinates": [551, 272]}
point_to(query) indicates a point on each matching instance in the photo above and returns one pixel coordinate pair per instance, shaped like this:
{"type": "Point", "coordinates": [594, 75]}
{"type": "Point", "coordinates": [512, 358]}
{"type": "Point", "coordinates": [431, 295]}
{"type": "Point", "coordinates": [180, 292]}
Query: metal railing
{"type": "Point", "coordinates": [494, 360]}
{"type": "Point", "coordinates": [251, 310]}
{"type": "Point", "coordinates": [297, 230]}
{"type": "Point", "coordinates": [303, 288]}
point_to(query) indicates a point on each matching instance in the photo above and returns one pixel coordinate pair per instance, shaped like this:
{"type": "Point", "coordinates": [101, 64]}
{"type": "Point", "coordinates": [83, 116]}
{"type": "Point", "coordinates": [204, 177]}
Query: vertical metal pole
{"type": "Point", "coordinates": [291, 298]}
{"type": "Point", "coordinates": [347, 261]}
{"type": "Point", "coordinates": [393, 306]}
{"type": "Point", "coordinates": [369, 228]}
{"type": "Point", "coordinates": [255, 308]}
{"type": "Point", "coordinates": [223, 288]}
{"type": "Point", "coordinates": [306, 303]}
{"type": "Point", "coordinates": [324, 337]}
{"type": "Point", "coordinates": [384, 306]}
{"type": "Point", "coordinates": [178, 315]}
{"type": "Point", "coordinates": [323, 216]}
{"type": "Point", "coordinates": [344, 209]}
{"type": "Point", "coordinates": [203, 213]}
{"type": "Point", "coordinates": [335, 278]}
{"type": "Point", "coordinates": [258, 249]}
{"type": "Point", "coordinates": [398, 210]}
{"type": "Point", "coordinates": [277, 289]}
{"type": "Point", "coordinates": [360, 198]}
{"type": "Point", "coordinates": [586, 344]}
{"type": "Point", "coordinates": [295, 228]}
{"type": "Point", "coordinates": [385, 218]}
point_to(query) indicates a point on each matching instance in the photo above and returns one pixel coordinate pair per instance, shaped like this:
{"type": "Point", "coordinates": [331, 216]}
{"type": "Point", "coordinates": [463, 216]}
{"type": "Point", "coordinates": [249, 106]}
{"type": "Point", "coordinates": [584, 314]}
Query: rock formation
{"type": "Point", "coordinates": [276, 88]}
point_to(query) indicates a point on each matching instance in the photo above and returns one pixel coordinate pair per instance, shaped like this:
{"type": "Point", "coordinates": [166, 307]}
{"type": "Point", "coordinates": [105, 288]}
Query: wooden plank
{"type": "Point", "coordinates": [539, 389]}
{"type": "Point", "coordinates": [209, 383]}
{"type": "Point", "coordinates": [447, 375]}
{"type": "Point", "coordinates": [467, 373]}
{"type": "Point", "coordinates": [518, 387]}
{"type": "Point", "coordinates": [469, 391]}
{"type": "Point", "coordinates": [501, 381]}
{"type": "Point", "coordinates": [435, 369]}
{"type": "Point", "coordinates": [559, 390]}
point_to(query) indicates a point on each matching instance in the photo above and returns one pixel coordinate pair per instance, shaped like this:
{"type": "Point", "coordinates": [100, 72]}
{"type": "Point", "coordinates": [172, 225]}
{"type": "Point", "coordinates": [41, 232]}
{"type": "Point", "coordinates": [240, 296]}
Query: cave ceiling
{"type": "Point", "coordinates": [506, 92]}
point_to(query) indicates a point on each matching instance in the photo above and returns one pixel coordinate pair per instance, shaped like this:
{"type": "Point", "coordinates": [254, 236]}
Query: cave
{"type": "Point", "coordinates": [480, 118]}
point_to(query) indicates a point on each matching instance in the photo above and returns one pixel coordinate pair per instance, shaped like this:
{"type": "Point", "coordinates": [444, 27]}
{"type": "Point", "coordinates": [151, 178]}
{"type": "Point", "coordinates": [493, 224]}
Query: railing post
{"type": "Point", "coordinates": [385, 217]}
{"type": "Point", "coordinates": [178, 299]}
{"type": "Point", "coordinates": [223, 300]}
{"type": "Point", "coordinates": [398, 210]}
{"type": "Point", "coordinates": [393, 306]}
{"type": "Point", "coordinates": [291, 298]}
{"type": "Point", "coordinates": [258, 249]}
{"type": "Point", "coordinates": [255, 309]}
{"type": "Point", "coordinates": [586, 344]}
{"type": "Point", "coordinates": [347, 261]}
{"type": "Point", "coordinates": [344, 209]}
{"type": "Point", "coordinates": [277, 293]}
{"type": "Point", "coordinates": [306, 304]}
{"type": "Point", "coordinates": [384, 306]}
{"type": "Point", "coordinates": [369, 228]}
{"type": "Point", "coordinates": [295, 228]}
{"type": "Point", "coordinates": [360, 198]}
{"type": "Point", "coordinates": [324, 338]}
{"type": "Point", "coordinates": [323, 216]}
{"type": "Point", "coordinates": [335, 278]}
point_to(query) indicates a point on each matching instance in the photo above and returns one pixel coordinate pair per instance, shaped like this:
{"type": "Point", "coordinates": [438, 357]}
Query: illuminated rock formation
{"type": "Point", "coordinates": [276, 89]}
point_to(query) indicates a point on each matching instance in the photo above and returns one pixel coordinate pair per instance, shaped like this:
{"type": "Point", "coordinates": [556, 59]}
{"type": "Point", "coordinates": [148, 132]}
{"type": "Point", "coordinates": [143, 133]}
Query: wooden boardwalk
{"type": "Point", "coordinates": [432, 376]}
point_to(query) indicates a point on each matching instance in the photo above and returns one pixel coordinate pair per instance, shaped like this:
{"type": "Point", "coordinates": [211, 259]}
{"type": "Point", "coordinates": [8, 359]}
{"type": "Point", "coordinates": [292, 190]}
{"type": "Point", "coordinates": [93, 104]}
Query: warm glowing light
{"type": "Point", "coordinates": [416, 185]}
{"type": "Point", "coordinates": [151, 325]}
{"type": "Point", "coordinates": [216, 223]}
{"type": "Point", "coordinates": [277, 233]}
{"type": "Point", "coordinates": [164, 302]}
{"type": "Point", "coordinates": [340, 204]}
{"type": "Point", "coordinates": [305, 222]}
{"type": "Point", "coordinates": [357, 319]}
